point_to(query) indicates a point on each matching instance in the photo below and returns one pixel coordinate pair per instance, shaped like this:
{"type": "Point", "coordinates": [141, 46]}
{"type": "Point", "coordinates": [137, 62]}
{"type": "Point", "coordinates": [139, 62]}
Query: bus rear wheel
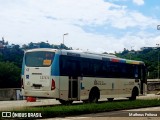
{"type": "Point", "coordinates": [110, 99]}
{"type": "Point", "coordinates": [85, 101]}
{"type": "Point", "coordinates": [64, 102]}
{"type": "Point", "coordinates": [94, 96]}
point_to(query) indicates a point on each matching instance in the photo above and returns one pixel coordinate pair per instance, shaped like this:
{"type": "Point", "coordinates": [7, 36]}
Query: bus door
{"type": "Point", "coordinates": [143, 80]}
{"type": "Point", "coordinates": [74, 81]}
{"type": "Point", "coordinates": [141, 77]}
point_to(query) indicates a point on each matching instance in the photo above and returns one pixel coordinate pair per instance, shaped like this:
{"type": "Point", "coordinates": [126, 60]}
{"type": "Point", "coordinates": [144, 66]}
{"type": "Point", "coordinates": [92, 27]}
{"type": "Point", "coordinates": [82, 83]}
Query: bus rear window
{"type": "Point", "coordinates": [39, 59]}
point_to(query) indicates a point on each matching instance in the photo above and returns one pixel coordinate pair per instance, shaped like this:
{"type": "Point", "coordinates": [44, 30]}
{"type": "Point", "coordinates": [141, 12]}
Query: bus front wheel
{"type": "Point", "coordinates": [134, 94]}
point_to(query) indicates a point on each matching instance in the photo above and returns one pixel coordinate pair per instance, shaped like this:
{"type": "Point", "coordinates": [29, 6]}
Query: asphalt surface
{"type": "Point", "coordinates": [13, 105]}
{"type": "Point", "coordinates": [151, 113]}
{"type": "Point", "coordinates": [145, 113]}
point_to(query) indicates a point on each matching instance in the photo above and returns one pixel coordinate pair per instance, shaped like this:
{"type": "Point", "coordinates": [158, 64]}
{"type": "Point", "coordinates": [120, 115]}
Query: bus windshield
{"type": "Point", "coordinates": [39, 59]}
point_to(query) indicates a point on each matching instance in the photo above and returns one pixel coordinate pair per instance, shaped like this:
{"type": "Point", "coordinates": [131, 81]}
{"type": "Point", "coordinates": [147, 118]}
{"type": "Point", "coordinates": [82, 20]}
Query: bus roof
{"type": "Point", "coordinates": [87, 54]}
{"type": "Point", "coordinates": [92, 55]}
{"type": "Point", "coordinates": [41, 49]}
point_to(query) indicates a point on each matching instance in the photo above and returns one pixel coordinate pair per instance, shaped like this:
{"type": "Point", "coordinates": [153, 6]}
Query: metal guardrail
{"type": "Point", "coordinates": [153, 84]}
{"type": "Point", "coordinates": [10, 94]}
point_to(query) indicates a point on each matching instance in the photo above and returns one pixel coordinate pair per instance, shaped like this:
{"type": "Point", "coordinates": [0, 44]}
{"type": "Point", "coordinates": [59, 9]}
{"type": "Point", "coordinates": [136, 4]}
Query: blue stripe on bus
{"type": "Point", "coordinates": [122, 61]}
{"type": "Point", "coordinates": [55, 66]}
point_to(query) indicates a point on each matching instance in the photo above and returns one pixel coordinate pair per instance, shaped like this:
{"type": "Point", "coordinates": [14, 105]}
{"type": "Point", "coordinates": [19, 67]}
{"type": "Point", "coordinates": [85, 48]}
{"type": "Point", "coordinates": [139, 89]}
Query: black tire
{"type": "Point", "coordinates": [85, 101]}
{"type": "Point", "coordinates": [134, 94]}
{"type": "Point", "coordinates": [94, 96]}
{"type": "Point", "coordinates": [64, 102]}
{"type": "Point", "coordinates": [110, 99]}
{"type": "Point", "coordinates": [132, 98]}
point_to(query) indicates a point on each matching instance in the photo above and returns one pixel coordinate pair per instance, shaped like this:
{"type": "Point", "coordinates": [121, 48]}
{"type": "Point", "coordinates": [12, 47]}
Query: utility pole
{"type": "Point", "coordinates": [63, 37]}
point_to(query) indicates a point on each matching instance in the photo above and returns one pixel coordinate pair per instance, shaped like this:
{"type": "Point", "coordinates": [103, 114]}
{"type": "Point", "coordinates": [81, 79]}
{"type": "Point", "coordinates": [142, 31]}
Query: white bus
{"type": "Point", "coordinates": [69, 75]}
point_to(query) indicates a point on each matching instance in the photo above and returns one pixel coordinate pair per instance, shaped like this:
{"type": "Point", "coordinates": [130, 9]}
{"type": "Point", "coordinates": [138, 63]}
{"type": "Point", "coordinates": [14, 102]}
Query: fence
{"type": "Point", "coordinates": [10, 94]}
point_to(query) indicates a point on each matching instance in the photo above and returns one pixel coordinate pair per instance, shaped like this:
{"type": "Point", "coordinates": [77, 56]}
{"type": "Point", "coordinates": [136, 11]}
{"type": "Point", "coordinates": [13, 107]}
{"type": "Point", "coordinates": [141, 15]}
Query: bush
{"type": "Point", "coordinates": [9, 75]}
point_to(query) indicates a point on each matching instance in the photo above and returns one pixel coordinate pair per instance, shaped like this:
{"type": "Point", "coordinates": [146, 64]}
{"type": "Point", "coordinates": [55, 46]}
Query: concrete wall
{"type": "Point", "coordinates": [10, 94]}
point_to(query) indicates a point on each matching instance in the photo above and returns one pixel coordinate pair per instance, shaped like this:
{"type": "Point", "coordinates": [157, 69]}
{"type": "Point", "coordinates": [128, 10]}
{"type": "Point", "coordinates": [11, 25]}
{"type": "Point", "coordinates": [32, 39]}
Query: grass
{"type": "Point", "coordinates": [71, 110]}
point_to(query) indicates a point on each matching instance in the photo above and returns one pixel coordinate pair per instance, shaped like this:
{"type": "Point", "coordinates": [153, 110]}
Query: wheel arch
{"type": "Point", "coordinates": [93, 89]}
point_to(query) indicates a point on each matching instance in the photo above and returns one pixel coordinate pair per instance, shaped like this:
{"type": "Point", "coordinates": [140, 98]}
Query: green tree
{"type": "Point", "coordinates": [10, 75]}
{"type": "Point", "coordinates": [44, 45]}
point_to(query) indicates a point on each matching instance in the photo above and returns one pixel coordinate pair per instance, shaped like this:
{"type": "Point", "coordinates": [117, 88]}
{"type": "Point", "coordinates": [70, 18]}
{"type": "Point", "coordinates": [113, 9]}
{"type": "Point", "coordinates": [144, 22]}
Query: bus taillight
{"type": "Point", "coordinates": [22, 86]}
{"type": "Point", "coordinates": [53, 85]}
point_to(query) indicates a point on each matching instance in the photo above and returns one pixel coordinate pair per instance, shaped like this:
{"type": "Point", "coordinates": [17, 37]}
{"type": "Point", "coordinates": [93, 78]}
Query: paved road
{"type": "Point", "coordinates": [151, 113]}
{"type": "Point", "coordinates": [12, 105]}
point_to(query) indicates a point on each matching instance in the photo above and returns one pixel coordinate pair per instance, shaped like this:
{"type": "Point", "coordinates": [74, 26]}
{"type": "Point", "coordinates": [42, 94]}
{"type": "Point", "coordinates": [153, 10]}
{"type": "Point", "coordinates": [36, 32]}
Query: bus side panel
{"type": "Point", "coordinates": [55, 92]}
{"type": "Point", "coordinates": [64, 87]}
{"type": "Point", "coordinates": [109, 87]}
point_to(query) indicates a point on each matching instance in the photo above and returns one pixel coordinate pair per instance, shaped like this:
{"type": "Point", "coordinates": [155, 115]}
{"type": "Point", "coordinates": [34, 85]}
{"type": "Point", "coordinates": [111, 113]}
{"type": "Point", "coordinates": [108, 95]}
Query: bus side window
{"type": "Point", "coordinates": [114, 69]}
{"type": "Point", "coordinates": [104, 69]}
{"type": "Point", "coordinates": [63, 65]}
{"type": "Point", "coordinates": [139, 72]}
{"type": "Point", "coordinates": [85, 68]}
{"type": "Point", "coordinates": [130, 71]}
{"type": "Point", "coordinates": [123, 70]}
{"type": "Point", "coordinates": [73, 68]}
{"type": "Point", "coordinates": [69, 66]}
{"type": "Point", "coordinates": [94, 68]}
{"type": "Point", "coordinates": [136, 75]}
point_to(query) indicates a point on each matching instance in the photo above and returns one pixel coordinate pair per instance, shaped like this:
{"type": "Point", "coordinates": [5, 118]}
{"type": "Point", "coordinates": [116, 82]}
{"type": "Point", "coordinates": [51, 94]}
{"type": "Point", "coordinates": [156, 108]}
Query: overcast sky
{"type": "Point", "coordinates": [96, 25]}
